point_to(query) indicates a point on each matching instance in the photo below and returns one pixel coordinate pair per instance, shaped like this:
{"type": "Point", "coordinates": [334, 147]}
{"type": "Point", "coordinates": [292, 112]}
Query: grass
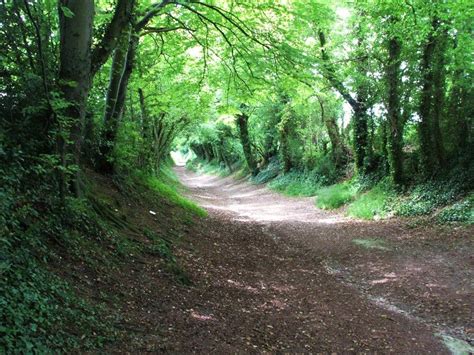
{"type": "Point", "coordinates": [335, 196]}
{"type": "Point", "coordinates": [371, 204]}
{"type": "Point", "coordinates": [296, 183]}
{"type": "Point", "coordinates": [166, 186]}
{"type": "Point", "coordinates": [371, 243]}
{"type": "Point", "coordinates": [204, 167]}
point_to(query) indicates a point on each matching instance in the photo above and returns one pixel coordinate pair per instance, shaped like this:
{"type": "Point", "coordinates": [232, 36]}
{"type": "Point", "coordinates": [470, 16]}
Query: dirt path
{"type": "Point", "coordinates": [272, 273]}
{"type": "Point", "coordinates": [275, 273]}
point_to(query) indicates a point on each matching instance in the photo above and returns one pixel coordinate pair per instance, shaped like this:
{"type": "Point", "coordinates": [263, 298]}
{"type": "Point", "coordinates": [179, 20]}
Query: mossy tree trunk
{"type": "Point", "coordinates": [340, 151]}
{"type": "Point", "coordinates": [394, 126]}
{"type": "Point", "coordinates": [439, 86]}
{"type": "Point", "coordinates": [242, 122]}
{"type": "Point", "coordinates": [112, 104]}
{"type": "Point", "coordinates": [358, 104]}
{"type": "Point", "coordinates": [432, 102]}
{"type": "Point", "coordinates": [75, 80]}
{"type": "Point", "coordinates": [284, 130]}
{"type": "Point", "coordinates": [78, 66]}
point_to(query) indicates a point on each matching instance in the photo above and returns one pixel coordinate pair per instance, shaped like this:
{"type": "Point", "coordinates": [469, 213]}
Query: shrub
{"type": "Point", "coordinates": [270, 172]}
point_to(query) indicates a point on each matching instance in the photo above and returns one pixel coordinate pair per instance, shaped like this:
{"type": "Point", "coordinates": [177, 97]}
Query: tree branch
{"type": "Point", "coordinates": [108, 42]}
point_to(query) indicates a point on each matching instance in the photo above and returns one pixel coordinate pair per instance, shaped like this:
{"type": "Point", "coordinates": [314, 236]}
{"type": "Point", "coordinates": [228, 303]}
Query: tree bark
{"type": "Point", "coordinates": [431, 152]}
{"type": "Point", "coordinates": [113, 32]}
{"type": "Point", "coordinates": [339, 150]}
{"type": "Point", "coordinates": [74, 79]}
{"type": "Point", "coordinates": [242, 121]}
{"type": "Point", "coordinates": [362, 148]}
{"type": "Point", "coordinates": [112, 125]}
{"type": "Point", "coordinates": [284, 133]}
{"type": "Point", "coordinates": [395, 125]}
{"type": "Point", "coordinates": [460, 97]}
{"type": "Point", "coordinates": [359, 105]}
{"type": "Point", "coordinates": [116, 75]}
{"type": "Point", "coordinates": [439, 86]}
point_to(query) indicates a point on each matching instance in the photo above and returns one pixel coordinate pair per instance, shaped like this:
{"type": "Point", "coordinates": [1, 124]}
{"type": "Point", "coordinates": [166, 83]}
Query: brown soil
{"type": "Point", "coordinates": [274, 274]}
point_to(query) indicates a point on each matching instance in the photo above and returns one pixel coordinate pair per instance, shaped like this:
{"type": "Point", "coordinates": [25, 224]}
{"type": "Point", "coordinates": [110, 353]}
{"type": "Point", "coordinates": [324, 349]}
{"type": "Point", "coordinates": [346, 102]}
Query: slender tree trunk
{"type": "Point", "coordinates": [360, 133]}
{"type": "Point", "coordinates": [270, 148]}
{"type": "Point", "coordinates": [395, 126]}
{"type": "Point", "coordinates": [337, 144]}
{"type": "Point", "coordinates": [439, 86]}
{"type": "Point", "coordinates": [427, 150]}
{"type": "Point", "coordinates": [207, 156]}
{"type": "Point", "coordinates": [458, 102]}
{"type": "Point", "coordinates": [104, 163]}
{"type": "Point", "coordinates": [74, 78]}
{"type": "Point", "coordinates": [358, 104]}
{"type": "Point", "coordinates": [116, 75]}
{"type": "Point", "coordinates": [114, 118]}
{"type": "Point", "coordinates": [284, 145]}
{"type": "Point", "coordinates": [242, 121]}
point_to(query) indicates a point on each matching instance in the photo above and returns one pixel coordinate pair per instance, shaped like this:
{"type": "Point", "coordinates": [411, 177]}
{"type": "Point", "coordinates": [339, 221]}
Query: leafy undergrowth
{"type": "Point", "coordinates": [296, 184]}
{"type": "Point", "coordinates": [425, 198]}
{"type": "Point", "coordinates": [268, 173]}
{"type": "Point", "coordinates": [446, 199]}
{"type": "Point", "coordinates": [204, 167]}
{"type": "Point", "coordinates": [58, 264]}
{"type": "Point", "coordinates": [373, 203]}
{"type": "Point", "coordinates": [335, 196]}
{"type": "Point", "coordinates": [39, 309]}
{"type": "Point", "coordinates": [462, 211]}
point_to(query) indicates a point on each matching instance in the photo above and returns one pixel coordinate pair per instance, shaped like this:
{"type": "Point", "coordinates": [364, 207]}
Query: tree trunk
{"type": "Point", "coordinates": [395, 126]}
{"type": "Point", "coordinates": [439, 86]}
{"type": "Point", "coordinates": [284, 133]}
{"type": "Point", "coordinates": [458, 102]}
{"type": "Point", "coordinates": [104, 164]}
{"type": "Point", "coordinates": [122, 16]}
{"type": "Point", "coordinates": [78, 65]}
{"type": "Point", "coordinates": [74, 78]}
{"type": "Point", "coordinates": [111, 126]}
{"type": "Point", "coordinates": [242, 121]}
{"type": "Point", "coordinates": [116, 75]}
{"type": "Point", "coordinates": [339, 150]}
{"type": "Point", "coordinates": [427, 156]}
{"type": "Point", "coordinates": [359, 105]}
{"type": "Point", "coordinates": [360, 131]}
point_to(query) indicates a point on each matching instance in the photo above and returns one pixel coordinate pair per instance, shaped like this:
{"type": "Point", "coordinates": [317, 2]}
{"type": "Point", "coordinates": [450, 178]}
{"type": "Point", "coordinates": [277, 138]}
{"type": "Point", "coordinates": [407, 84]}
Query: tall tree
{"type": "Point", "coordinates": [75, 77]}
{"type": "Point", "coordinates": [242, 122]}
{"type": "Point", "coordinates": [431, 152]}
{"type": "Point", "coordinates": [395, 124]}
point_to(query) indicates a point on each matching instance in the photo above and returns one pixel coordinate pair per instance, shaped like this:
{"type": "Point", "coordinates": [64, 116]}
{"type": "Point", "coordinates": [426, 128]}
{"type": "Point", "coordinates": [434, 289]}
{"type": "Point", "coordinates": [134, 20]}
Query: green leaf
{"type": "Point", "coordinates": [67, 12]}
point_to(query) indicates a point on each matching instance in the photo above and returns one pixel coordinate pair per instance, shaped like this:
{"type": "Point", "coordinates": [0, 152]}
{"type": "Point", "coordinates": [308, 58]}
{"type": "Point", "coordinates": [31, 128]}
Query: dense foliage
{"type": "Point", "coordinates": [301, 93]}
